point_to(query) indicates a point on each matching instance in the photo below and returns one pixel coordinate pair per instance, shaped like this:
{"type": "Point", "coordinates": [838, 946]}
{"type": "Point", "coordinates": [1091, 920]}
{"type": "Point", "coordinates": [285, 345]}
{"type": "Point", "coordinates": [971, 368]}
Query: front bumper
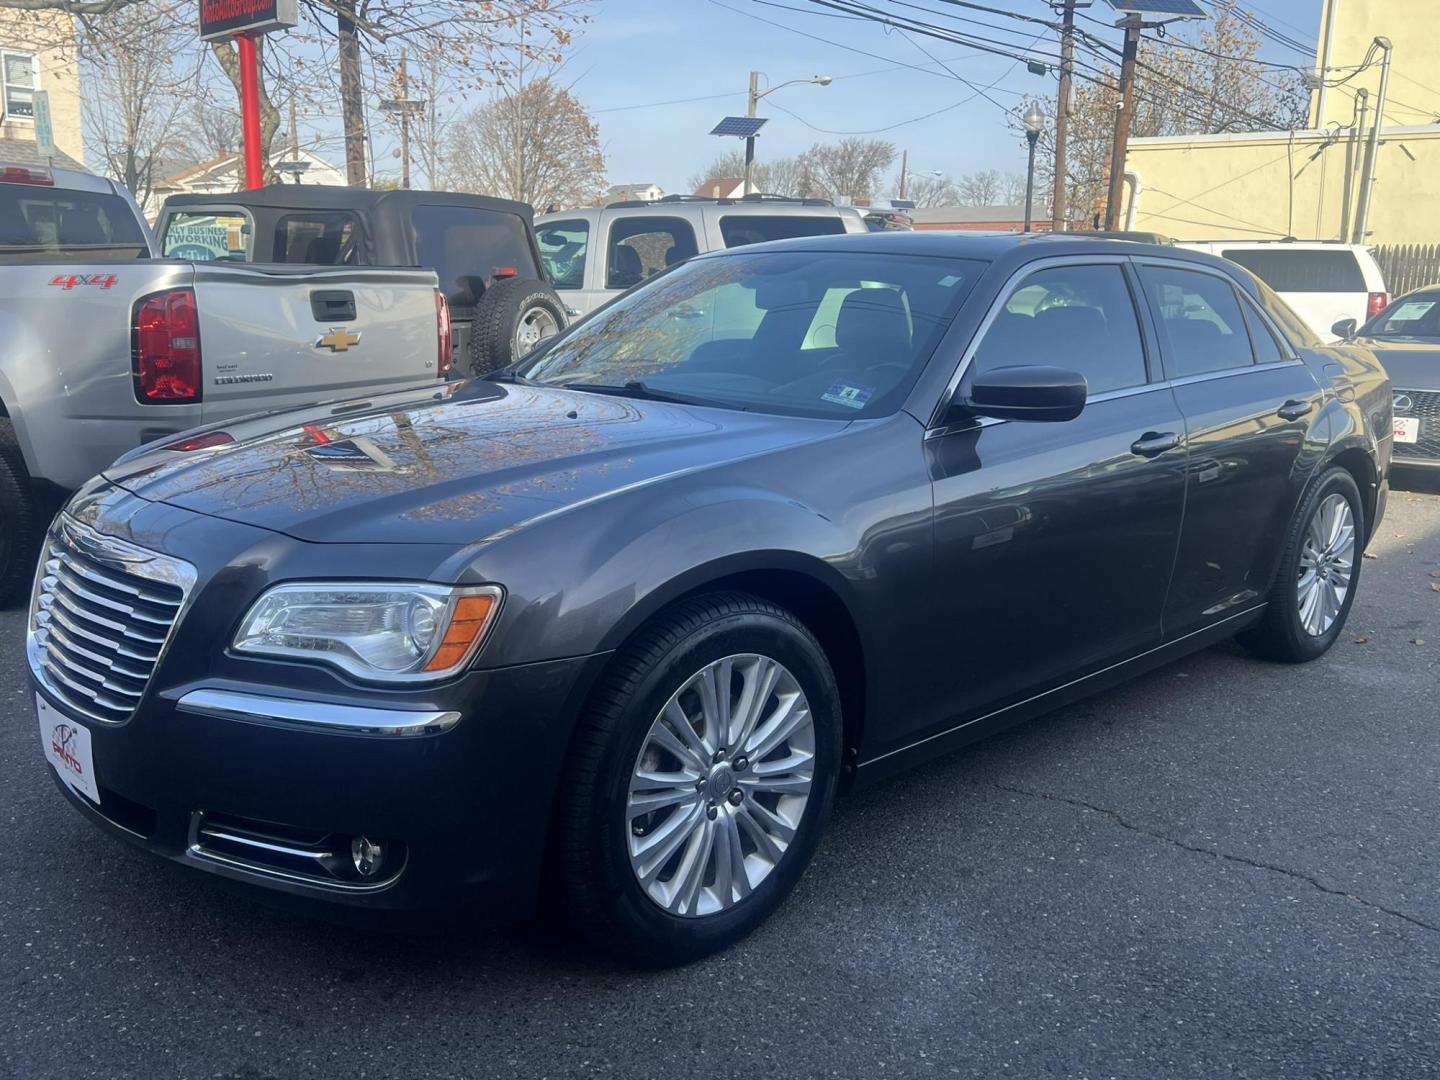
{"type": "Point", "coordinates": [462, 808]}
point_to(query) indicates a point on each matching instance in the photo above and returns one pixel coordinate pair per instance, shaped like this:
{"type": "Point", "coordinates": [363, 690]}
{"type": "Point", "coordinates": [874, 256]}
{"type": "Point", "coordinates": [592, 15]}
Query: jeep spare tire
{"type": "Point", "coordinates": [513, 316]}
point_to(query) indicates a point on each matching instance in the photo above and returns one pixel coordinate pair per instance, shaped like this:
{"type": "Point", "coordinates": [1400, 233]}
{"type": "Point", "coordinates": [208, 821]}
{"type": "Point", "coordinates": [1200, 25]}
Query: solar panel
{"type": "Point", "coordinates": [740, 126]}
{"type": "Point", "coordinates": [1176, 9]}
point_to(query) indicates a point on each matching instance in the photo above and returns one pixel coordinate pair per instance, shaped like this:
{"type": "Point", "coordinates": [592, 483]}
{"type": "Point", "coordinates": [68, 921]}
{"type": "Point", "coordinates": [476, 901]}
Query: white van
{"type": "Point", "coordinates": [1323, 282]}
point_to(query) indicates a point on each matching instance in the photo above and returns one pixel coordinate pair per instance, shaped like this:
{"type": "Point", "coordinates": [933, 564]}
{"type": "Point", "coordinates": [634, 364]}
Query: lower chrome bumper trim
{"type": "Point", "coordinates": [315, 715]}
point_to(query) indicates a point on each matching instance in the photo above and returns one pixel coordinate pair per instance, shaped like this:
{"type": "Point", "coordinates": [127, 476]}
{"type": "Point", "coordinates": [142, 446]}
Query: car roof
{"type": "Point", "coordinates": [335, 197]}
{"type": "Point", "coordinates": [780, 207]}
{"type": "Point", "coordinates": [977, 245]}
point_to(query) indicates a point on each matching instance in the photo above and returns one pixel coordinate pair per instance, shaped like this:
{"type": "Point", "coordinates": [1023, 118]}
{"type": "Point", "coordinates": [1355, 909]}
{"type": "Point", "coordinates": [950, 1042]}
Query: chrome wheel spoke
{"type": "Point", "coordinates": [720, 785]}
{"type": "Point", "coordinates": [1327, 564]}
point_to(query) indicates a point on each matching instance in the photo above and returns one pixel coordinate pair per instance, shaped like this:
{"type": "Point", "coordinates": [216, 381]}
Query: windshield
{"type": "Point", "coordinates": [834, 334]}
{"type": "Point", "coordinates": [1413, 316]}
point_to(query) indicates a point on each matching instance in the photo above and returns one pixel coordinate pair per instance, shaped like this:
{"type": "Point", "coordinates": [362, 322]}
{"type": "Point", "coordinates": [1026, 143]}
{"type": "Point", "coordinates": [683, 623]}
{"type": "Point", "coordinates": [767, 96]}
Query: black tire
{"type": "Point", "coordinates": [599, 894]}
{"type": "Point", "coordinates": [20, 526]}
{"type": "Point", "coordinates": [1280, 634]}
{"type": "Point", "coordinates": [505, 305]}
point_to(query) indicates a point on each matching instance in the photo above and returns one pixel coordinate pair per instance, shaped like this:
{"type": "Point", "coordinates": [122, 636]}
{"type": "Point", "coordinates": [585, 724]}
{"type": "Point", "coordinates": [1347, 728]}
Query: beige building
{"type": "Point", "coordinates": [37, 53]}
{"type": "Point", "coordinates": [1306, 184]}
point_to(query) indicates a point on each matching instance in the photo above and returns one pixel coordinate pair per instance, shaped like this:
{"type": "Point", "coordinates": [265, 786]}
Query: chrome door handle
{"type": "Point", "coordinates": [1294, 410]}
{"type": "Point", "coordinates": [1155, 443]}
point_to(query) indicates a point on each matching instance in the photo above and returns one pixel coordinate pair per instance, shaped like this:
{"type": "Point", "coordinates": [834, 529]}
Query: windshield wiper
{"type": "Point", "coordinates": [638, 389]}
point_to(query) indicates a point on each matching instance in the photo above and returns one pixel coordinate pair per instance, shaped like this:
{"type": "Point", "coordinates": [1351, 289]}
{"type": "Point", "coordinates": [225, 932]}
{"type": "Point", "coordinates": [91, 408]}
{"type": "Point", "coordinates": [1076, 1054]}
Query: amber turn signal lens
{"type": "Point", "coordinates": [472, 615]}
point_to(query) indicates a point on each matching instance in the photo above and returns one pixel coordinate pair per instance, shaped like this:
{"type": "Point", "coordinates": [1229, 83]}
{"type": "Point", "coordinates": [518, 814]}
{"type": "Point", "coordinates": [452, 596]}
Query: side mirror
{"type": "Point", "coordinates": [1026, 393]}
{"type": "Point", "coordinates": [1345, 329]}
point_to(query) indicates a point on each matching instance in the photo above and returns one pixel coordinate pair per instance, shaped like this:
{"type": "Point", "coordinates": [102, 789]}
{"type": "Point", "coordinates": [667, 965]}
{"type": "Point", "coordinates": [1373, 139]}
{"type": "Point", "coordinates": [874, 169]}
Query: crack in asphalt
{"type": "Point", "coordinates": [1215, 853]}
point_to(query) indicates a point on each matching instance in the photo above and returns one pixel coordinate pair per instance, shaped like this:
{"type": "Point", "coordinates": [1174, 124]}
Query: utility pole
{"type": "Point", "coordinates": [750, 110]}
{"type": "Point", "coordinates": [1062, 114]}
{"type": "Point", "coordinates": [403, 106]}
{"type": "Point", "coordinates": [904, 163]}
{"type": "Point", "coordinates": [294, 132]}
{"type": "Point", "coordinates": [1367, 178]}
{"type": "Point", "coordinates": [1123, 119]}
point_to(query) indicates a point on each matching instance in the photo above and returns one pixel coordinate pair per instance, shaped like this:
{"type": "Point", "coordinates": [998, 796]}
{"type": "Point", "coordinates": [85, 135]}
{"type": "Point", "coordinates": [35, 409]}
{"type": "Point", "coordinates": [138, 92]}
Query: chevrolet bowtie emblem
{"type": "Point", "coordinates": [337, 340]}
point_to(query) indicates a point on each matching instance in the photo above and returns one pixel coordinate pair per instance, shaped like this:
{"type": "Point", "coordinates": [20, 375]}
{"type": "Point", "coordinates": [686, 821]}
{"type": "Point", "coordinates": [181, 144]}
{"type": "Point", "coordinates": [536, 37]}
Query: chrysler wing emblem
{"type": "Point", "coordinates": [337, 340]}
{"type": "Point", "coordinates": [1404, 403]}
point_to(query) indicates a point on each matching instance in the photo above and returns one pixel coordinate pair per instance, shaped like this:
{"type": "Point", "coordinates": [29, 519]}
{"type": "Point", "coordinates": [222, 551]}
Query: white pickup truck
{"type": "Point", "coordinates": [104, 347]}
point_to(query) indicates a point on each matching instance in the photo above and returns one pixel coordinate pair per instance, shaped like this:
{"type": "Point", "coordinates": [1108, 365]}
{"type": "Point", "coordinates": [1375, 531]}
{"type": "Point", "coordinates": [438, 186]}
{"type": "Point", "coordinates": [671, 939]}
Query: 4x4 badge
{"type": "Point", "coordinates": [337, 340]}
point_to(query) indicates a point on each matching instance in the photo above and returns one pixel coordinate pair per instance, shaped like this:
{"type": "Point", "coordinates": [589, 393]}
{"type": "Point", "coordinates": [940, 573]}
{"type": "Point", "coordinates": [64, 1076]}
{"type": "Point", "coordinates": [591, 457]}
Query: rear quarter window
{"type": "Point", "coordinates": [737, 230]}
{"type": "Point", "coordinates": [1302, 271]}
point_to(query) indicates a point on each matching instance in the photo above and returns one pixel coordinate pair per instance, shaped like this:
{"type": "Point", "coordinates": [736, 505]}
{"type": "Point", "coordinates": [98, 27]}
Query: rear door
{"type": "Point", "coordinates": [276, 339]}
{"type": "Point", "coordinates": [567, 252]}
{"type": "Point", "coordinates": [1323, 286]}
{"type": "Point", "coordinates": [1249, 404]}
{"type": "Point", "coordinates": [639, 246]}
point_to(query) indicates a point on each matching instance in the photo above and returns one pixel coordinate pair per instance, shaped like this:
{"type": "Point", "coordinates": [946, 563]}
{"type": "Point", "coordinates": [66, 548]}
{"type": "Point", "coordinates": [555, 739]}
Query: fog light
{"type": "Point", "coordinates": [366, 855]}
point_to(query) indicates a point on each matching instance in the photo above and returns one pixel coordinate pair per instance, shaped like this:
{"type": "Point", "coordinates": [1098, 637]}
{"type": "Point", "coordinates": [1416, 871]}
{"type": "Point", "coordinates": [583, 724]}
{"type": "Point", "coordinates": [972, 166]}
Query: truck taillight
{"type": "Point", "coordinates": [165, 347]}
{"type": "Point", "coordinates": [442, 334]}
{"type": "Point", "coordinates": [26, 174]}
{"type": "Point", "coordinates": [1378, 302]}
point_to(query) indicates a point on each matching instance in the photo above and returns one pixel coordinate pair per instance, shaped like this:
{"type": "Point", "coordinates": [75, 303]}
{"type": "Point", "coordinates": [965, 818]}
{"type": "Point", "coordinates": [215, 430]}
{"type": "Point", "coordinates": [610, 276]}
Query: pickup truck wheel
{"type": "Point", "coordinates": [698, 782]}
{"type": "Point", "coordinates": [512, 317]}
{"type": "Point", "coordinates": [19, 521]}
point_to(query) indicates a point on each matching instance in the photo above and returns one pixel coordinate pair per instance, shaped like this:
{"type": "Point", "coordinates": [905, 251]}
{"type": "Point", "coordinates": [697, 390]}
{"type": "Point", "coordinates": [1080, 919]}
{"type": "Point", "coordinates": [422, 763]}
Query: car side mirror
{"type": "Point", "coordinates": [1030, 392]}
{"type": "Point", "coordinates": [1345, 329]}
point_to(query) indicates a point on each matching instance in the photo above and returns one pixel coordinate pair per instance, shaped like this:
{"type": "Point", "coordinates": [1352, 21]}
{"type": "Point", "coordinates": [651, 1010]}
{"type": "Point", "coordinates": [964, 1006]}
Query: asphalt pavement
{"type": "Point", "coordinates": [1225, 869]}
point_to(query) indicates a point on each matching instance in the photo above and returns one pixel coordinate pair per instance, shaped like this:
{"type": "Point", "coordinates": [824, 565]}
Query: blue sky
{"type": "Point", "coordinates": [637, 53]}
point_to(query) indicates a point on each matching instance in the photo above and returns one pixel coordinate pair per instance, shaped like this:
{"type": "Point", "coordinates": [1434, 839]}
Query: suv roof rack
{"type": "Point", "coordinates": [752, 198]}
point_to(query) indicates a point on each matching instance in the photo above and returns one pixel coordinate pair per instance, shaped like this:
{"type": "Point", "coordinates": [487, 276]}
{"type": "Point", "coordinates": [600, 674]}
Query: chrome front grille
{"type": "Point", "coordinates": [102, 614]}
{"type": "Point", "coordinates": [1424, 404]}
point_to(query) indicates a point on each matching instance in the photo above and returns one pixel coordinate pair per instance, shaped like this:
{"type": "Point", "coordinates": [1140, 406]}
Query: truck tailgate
{"type": "Point", "coordinates": [276, 337]}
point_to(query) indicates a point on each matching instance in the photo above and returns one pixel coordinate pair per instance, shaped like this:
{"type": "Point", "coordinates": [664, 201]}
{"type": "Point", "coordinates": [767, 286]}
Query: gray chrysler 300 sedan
{"type": "Point", "coordinates": [611, 628]}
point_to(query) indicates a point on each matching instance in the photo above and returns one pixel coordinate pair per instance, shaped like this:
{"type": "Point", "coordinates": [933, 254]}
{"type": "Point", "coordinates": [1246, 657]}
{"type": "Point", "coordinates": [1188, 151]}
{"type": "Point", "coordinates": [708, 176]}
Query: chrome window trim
{"type": "Point", "coordinates": [318, 716]}
{"type": "Point", "coordinates": [1029, 269]}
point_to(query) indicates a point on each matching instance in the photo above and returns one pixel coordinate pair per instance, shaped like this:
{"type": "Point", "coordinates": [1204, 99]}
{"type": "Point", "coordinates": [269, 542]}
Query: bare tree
{"type": "Point", "coordinates": [928, 191]}
{"type": "Point", "coordinates": [214, 130]}
{"type": "Point", "coordinates": [793, 176]}
{"type": "Point", "coordinates": [1012, 189]}
{"type": "Point", "coordinates": [538, 145]}
{"type": "Point", "coordinates": [979, 188]}
{"type": "Point", "coordinates": [850, 168]}
{"type": "Point", "coordinates": [137, 87]}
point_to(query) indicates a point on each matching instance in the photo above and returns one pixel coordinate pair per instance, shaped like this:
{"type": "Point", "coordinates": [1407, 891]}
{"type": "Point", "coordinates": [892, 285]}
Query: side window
{"type": "Point", "coordinates": [562, 249]}
{"type": "Point", "coordinates": [737, 230]}
{"type": "Point", "coordinates": [640, 247]}
{"type": "Point", "coordinates": [207, 237]}
{"type": "Point", "coordinates": [469, 247]}
{"type": "Point", "coordinates": [326, 238]}
{"type": "Point", "coordinates": [1200, 319]}
{"type": "Point", "coordinates": [1077, 317]}
{"type": "Point", "coordinates": [1267, 350]}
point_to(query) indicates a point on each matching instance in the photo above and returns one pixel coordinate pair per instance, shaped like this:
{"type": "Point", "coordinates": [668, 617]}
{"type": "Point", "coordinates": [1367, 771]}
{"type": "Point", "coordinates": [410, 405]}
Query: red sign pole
{"type": "Point", "coordinates": [250, 110]}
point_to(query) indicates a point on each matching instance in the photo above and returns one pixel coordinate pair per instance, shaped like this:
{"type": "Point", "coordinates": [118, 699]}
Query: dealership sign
{"type": "Point", "coordinates": [224, 18]}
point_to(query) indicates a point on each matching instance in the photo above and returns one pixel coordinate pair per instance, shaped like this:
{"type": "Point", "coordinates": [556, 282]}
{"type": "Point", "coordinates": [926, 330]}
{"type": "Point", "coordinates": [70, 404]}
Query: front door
{"type": "Point", "coordinates": [1054, 541]}
{"type": "Point", "coordinates": [1249, 405]}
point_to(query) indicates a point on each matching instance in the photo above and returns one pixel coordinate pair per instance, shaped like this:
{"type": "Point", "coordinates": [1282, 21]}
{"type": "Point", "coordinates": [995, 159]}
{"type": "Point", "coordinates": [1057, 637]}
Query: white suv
{"type": "Point", "coordinates": [596, 253]}
{"type": "Point", "coordinates": [1324, 283]}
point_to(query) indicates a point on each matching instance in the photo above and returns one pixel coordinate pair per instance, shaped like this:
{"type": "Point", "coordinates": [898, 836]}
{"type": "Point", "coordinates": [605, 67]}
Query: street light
{"type": "Point", "coordinates": [1034, 120]}
{"type": "Point", "coordinates": [755, 95]}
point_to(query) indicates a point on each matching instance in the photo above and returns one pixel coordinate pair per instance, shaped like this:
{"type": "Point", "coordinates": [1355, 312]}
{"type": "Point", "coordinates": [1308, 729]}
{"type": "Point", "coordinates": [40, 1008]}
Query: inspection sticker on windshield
{"type": "Point", "coordinates": [67, 748]}
{"type": "Point", "coordinates": [854, 397]}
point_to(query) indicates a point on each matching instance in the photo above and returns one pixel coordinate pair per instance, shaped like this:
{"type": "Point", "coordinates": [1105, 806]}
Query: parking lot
{"type": "Point", "coordinates": [1226, 868]}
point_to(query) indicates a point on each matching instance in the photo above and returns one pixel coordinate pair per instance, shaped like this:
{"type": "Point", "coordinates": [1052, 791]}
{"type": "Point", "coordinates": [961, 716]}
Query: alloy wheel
{"type": "Point", "coordinates": [720, 785]}
{"type": "Point", "coordinates": [1327, 562]}
{"type": "Point", "coordinates": [535, 325]}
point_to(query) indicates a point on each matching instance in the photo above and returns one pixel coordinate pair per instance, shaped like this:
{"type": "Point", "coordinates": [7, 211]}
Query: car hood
{"type": "Point", "coordinates": [458, 466]}
{"type": "Point", "coordinates": [1411, 365]}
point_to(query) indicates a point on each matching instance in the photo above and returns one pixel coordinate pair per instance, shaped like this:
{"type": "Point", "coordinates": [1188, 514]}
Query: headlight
{"type": "Point", "coordinates": [387, 631]}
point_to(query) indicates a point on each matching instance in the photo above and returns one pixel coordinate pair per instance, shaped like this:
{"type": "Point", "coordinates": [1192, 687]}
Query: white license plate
{"type": "Point", "coordinates": [1407, 429]}
{"type": "Point", "coordinates": [67, 748]}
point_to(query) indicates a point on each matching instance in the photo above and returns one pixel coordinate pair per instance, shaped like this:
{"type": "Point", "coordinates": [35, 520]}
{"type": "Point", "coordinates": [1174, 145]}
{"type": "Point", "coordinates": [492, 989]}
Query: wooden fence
{"type": "Point", "coordinates": [1408, 266]}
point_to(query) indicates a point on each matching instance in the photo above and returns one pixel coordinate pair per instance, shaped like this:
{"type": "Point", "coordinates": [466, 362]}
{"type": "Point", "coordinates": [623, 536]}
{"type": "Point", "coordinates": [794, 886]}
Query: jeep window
{"type": "Point", "coordinates": [207, 236]}
{"type": "Point", "coordinates": [640, 247]}
{"type": "Point", "coordinates": [323, 238]}
{"type": "Point", "coordinates": [563, 245]}
{"type": "Point", "coordinates": [732, 331]}
{"type": "Point", "coordinates": [1302, 271]}
{"type": "Point", "coordinates": [51, 223]}
{"type": "Point", "coordinates": [741, 229]}
{"type": "Point", "coordinates": [469, 247]}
